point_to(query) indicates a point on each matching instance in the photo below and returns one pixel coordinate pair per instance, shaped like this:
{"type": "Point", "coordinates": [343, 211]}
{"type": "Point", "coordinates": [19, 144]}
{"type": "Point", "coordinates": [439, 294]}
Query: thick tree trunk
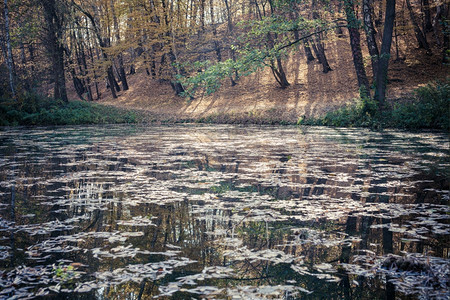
{"type": "Point", "coordinates": [383, 61]}
{"type": "Point", "coordinates": [370, 36]}
{"type": "Point", "coordinates": [421, 38]}
{"type": "Point", "coordinates": [428, 25]}
{"type": "Point", "coordinates": [9, 57]}
{"type": "Point", "coordinates": [55, 48]}
{"type": "Point", "coordinates": [111, 80]}
{"type": "Point", "coordinates": [355, 43]}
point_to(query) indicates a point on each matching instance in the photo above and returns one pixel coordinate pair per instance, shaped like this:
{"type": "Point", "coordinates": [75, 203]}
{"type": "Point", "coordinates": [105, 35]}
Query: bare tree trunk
{"type": "Point", "coordinates": [383, 61]}
{"type": "Point", "coordinates": [121, 69]}
{"type": "Point", "coordinates": [111, 81]}
{"type": "Point", "coordinates": [308, 52]}
{"type": "Point", "coordinates": [421, 38]}
{"type": "Point", "coordinates": [86, 72]}
{"type": "Point", "coordinates": [355, 42]}
{"type": "Point", "coordinates": [279, 74]}
{"type": "Point", "coordinates": [370, 36]}
{"type": "Point", "coordinates": [9, 57]}
{"type": "Point", "coordinates": [319, 50]}
{"type": "Point", "coordinates": [319, 47]}
{"type": "Point", "coordinates": [442, 18]}
{"type": "Point", "coordinates": [216, 42]}
{"type": "Point", "coordinates": [230, 30]}
{"type": "Point", "coordinates": [91, 54]}
{"type": "Point", "coordinates": [428, 25]}
{"type": "Point", "coordinates": [55, 48]}
{"type": "Point", "coordinates": [103, 44]}
{"type": "Point", "coordinates": [306, 47]}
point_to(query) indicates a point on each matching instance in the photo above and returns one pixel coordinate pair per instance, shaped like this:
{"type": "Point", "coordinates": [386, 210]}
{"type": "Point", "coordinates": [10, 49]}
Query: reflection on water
{"type": "Point", "coordinates": [223, 212]}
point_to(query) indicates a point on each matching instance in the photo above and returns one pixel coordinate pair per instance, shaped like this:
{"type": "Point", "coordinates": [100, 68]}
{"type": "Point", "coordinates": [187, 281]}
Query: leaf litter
{"type": "Point", "coordinates": [256, 199]}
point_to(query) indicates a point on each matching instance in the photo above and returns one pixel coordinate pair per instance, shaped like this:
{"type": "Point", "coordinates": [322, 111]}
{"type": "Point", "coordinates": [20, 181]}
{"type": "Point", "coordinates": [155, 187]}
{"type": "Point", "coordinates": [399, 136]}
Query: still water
{"type": "Point", "coordinates": [223, 212]}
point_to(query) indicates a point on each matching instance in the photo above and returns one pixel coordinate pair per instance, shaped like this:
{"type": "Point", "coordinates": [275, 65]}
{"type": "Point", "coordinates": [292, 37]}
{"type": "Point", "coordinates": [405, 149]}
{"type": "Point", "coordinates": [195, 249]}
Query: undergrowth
{"type": "Point", "coordinates": [32, 109]}
{"type": "Point", "coordinates": [429, 108]}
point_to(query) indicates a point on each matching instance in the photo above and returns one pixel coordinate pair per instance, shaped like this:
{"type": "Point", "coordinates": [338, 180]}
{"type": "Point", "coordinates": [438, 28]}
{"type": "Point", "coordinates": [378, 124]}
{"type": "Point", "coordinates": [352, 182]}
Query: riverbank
{"type": "Point", "coordinates": [426, 108]}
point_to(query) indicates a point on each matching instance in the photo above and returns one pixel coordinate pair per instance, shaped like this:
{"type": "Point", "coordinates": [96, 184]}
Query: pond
{"type": "Point", "coordinates": [223, 212]}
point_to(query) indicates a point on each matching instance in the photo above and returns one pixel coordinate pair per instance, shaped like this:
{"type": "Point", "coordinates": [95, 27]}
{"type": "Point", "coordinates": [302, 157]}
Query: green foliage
{"type": "Point", "coordinates": [261, 42]}
{"type": "Point", "coordinates": [65, 273]}
{"type": "Point", "coordinates": [32, 109]}
{"type": "Point", "coordinates": [430, 108]}
{"type": "Point", "coordinates": [359, 114]}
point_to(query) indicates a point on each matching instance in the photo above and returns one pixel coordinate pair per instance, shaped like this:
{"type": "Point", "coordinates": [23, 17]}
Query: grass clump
{"type": "Point", "coordinates": [33, 109]}
{"type": "Point", "coordinates": [429, 108]}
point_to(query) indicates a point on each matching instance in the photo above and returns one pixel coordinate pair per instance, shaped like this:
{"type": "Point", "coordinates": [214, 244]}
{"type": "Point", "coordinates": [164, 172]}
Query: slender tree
{"type": "Point", "coordinates": [420, 36]}
{"type": "Point", "coordinates": [355, 42]}
{"type": "Point", "coordinates": [383, 60]}
{"type": "Point", "coordinates": [9, 56]}
{"type": "Point", "coordinates": [370, 36]}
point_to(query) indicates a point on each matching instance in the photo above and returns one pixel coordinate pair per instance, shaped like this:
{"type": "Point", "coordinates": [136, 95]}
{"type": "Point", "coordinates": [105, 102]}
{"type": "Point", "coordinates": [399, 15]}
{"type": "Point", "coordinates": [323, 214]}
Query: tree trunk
{"type": "Point", "coordinates": [111, 80]}
{"type": "Point", "coordinates": [121, 69]}
{"type": "Point", "coordinates": [441, 17]}
{"type": "Point", "coordinates": [308, 52]}
{"type": "Point", "coordinates": [319, 48]}
{"type": "Point", "coordinates": [176, 85]}
{"type": "Point", "coordinates": [383, 61]}
{"type": "Point", "coordinates": [216, 42]}
{"type": "Point", "coordinates": [86, 72]}
{"type": "Point", "coordinates": [9, 57]}
{"type": "Point", "coordinates": [115, 74]}
{"type": "Point", "coordinates": [421, 38]}
{"type": "Point", "coordinates": [55, 48]}
{"type": "Point", "coordinates": [370, 36]}
{"type": "Point", "coordinates": [428, 25]}
{"type": "Point", "coordinates": [282, 75]}
{"type": "Point", "coordinates": [306, 47]}
{"type": "Point", "coordinates": [355, 42]}
{"type": "Point", "coordinates": [230, 30]}
{"type": "Point", "coordinates": [103, 44]}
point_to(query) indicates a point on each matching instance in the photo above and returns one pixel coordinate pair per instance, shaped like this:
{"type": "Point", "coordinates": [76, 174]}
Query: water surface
{"type": "Point", "coordinates": [223, 212]}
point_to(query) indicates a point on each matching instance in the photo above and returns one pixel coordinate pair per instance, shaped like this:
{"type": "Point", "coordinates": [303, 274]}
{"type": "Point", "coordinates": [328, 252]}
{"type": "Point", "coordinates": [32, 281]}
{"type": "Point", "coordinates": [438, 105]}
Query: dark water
{"type": "Point", "coordinates": [223, 212]}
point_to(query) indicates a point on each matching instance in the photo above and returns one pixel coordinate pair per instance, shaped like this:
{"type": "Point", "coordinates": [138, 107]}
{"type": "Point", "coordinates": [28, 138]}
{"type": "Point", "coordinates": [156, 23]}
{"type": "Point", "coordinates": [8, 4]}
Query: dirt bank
{"type": "Point", "coordinates": [258, 97]}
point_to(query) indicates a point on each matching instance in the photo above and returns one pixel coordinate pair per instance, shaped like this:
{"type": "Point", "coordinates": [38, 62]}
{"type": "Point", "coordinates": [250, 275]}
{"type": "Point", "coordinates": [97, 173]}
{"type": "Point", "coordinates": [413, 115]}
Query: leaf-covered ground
{"type": "Point", "coordinates": [258, 99]}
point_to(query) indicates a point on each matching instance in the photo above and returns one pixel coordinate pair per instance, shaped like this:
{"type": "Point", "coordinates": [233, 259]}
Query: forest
{"type": "Point", "coordinates": [224, 149]}
{"type": "Point", "coordinates": [89, 49]}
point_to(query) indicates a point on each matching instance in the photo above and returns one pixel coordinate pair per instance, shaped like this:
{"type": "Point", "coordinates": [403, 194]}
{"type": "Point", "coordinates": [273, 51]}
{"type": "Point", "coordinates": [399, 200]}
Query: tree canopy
{"type": "Point", "coordinates": [201, 44]}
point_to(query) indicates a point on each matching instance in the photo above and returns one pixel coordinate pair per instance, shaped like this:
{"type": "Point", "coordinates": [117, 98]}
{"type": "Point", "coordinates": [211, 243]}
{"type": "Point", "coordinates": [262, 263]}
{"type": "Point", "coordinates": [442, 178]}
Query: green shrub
{"type": "Point", "coordinates": [32, 109]}
{"type": "Point", "coordinates": [429, 108]}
